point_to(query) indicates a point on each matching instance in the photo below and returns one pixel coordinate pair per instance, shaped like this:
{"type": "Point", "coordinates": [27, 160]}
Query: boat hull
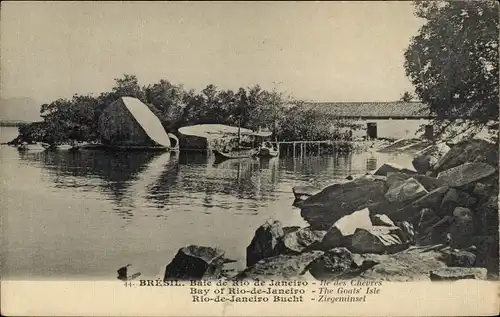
{"type": "Point", "coordinates": [265, 152]}
{"type": "Point", "coordinates": [227, 156]}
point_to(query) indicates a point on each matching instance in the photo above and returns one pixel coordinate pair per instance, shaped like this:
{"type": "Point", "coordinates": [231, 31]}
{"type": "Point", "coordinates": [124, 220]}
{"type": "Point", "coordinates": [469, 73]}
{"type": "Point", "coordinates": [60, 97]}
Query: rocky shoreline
{"type": "Point", "coordinates": [437, 222]}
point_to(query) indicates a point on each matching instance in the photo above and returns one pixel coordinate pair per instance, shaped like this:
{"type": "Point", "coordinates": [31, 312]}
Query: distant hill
{"type": "Point", "coordinates": [19, 109]}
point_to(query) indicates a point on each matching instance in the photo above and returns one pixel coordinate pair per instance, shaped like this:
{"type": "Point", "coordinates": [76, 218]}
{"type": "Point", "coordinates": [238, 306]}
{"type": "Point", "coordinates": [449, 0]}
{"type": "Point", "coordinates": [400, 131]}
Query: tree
{"type": "Point", "coordinates": [453, 61]}
{"type": "Point", "coordinates": [406, 97]}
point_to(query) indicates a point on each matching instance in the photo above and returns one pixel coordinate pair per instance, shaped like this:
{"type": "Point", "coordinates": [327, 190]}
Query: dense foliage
{"type": "Point", "coordinates": [453, 62]}
{"type": "Point", "coordinates": [76, 119]}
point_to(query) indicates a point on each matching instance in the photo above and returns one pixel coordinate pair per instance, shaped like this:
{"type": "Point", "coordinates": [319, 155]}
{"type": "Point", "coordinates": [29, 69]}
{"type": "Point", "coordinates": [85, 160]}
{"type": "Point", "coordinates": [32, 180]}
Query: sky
{"type": "Point", "coordinates": [318, 51]}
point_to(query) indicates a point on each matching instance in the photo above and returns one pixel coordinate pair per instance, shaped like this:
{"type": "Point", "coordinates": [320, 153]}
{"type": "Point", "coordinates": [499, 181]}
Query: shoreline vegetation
{"type": "Point", "coordinates": [66, 121]}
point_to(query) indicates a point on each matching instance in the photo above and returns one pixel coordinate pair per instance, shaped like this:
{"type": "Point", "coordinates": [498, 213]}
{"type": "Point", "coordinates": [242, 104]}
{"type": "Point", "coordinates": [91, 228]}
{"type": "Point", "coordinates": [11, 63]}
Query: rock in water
{"type": "Point", "coordinates": [466, 174]}
{"type": "Point", "coordinates": [391, 167]}
{"type": "Point", "coordinates": [377, 240]}
{"type": "Point", "coordinates": [469, 151]}
{"type": "Point", "coordinates": [406, 190]}
{"type": "Point", "coordinates": [321, 211]}
{"type": "Point", "coordinates": [195, 262]}
{"type": "Point", "coordinates": [264, 242]}
{"type": "Point", "coordinates": [299, 240]}
{"type": "Point", "coordinates": [303, 192]}
{"type": "Point", "coordinates": [280, 267]}
{"type": "Point", "coordinates": [342, 230]}
{"type": "Point", "coordinates": [458, 273]}
{"type": "Point", "coordinates": [382, 220]}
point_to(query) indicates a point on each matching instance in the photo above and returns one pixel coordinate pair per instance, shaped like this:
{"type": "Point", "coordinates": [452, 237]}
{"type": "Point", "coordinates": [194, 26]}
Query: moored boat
{"type": "Point", "coordinates": [219, 155]}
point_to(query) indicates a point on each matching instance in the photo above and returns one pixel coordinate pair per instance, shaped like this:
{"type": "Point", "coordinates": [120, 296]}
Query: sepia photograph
{"type": "Point", "coordinates": [298, 153]}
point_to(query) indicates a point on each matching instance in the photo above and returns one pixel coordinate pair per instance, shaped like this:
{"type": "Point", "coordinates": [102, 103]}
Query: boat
{"type": "Point", "coordinates": [269, 150]}
{"type": "Point", "coordinates": [220, 156]}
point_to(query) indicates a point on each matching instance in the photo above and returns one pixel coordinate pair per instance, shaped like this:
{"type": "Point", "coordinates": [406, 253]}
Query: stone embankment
{"type": "Point", "coordinates": [438, 221]}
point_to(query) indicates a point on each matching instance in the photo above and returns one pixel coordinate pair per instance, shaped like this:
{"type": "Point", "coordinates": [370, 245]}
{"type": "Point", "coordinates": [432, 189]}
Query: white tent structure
{"type": "Point", "coordinates": [129, 122]}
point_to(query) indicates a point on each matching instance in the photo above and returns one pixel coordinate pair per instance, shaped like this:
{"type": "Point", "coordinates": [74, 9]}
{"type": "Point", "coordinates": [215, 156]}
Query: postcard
{"type": "Point", "coordinates": [249, 158]}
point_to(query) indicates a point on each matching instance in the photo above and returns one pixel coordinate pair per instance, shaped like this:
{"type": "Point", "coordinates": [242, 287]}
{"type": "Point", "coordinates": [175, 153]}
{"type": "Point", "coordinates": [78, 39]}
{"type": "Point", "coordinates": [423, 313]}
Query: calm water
{"type": "Point", "coordinates": [83, 215]}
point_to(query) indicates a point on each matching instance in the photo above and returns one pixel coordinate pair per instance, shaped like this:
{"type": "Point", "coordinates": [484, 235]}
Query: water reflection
{"type": "Point", "coordinates": [162, 181]}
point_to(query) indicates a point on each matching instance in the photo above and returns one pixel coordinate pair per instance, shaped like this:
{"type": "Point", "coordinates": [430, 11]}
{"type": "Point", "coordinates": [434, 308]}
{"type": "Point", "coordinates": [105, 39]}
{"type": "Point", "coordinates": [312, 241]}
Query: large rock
{"type": "Point", "coordinates": [195, 262]}
{"type": "Point", "coordinates": [280, 267]}
{"type": "Point", "coordinates": [264, 242]}
{"type": "Point", "coordinates": [429, 183]}
{"type": "Point", "coordinates": [338, 263]}
{"type": "Point", "coordinates": [321, 211]}
{"type": "Point", "coordinates": [459, 258]}
{"type": "Point", "coordinates": [466, 174]}
{"type": "Point", "coordinates": [469, 151]}
{"type": "Point", "coordinates": [425, 159]}
{"type": "Point", "coordinates": [462, 228]}
{"type": "Point", "coordinates": [379, 239]}
{"type": "Point", "coordinates": [458, 273]}
{"type": "Point", "coordinates": [411, 211]}
{"type": "Point", "coordinates": [405, 190]}
{"type": "Point", "coordinates": [393, 168]}
{"type": "Point", "coordinates": [412, 264]}
{"type": "Point", "coordinates": [300, 240]}
{"type": "Point", "coordinates": [455, 198]}
{"type": "Point", "coordinates": [303, 192]}
{"type": "Point", "coordinates": [340, 233]}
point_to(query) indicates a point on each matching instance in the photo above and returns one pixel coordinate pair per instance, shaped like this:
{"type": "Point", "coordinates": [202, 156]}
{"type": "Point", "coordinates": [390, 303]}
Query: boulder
{"type": "Point", "coordinates": [425, 159]}
{"type": "Point", "coordinates": [280, 267]}
{"type": "Point", "coordinates": [406, 190]}
{"type": "Point", "coordinates": [455, 198]}
{"type": "Point", "coordinates": [411, 211]}
{"type": "Point", "coordinates": [458, 273]}
{"type": "Point", "coordinates": [468, 151]}
{"type": "Point", "coordinates": [462, 227]}
{"type": "Point", "coordinates": [195, 262]}
{"type": "Point", "coordinates": [429, 183]}
{"type": "Point", "coordinates": [459, 258]}
{"type": "Point", "coordinates": [342, 230]}
{"type": "Point", "coordinates": [338, 263]}
{"type": "Point", "coordinates": [377, 239]}
{"type": "Point", "coordinates": [264, 242]}
{"type": "Point", "coordinates": [303, 192]}
{"type": "Point", "coordinates": [412, 264]}
{"type": "Point", "coordinates": [382, 220]}
{"type": "Point", "coordinates": [466, 174]}
{"type": "Point", "coordinates": [392, 167]}
{"type": "Point", "coordinates": [297, 241]}
{"type": "Point", "coordinates": [322, 210]}
{"type": "Point", "coordinates": [396, 178]}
